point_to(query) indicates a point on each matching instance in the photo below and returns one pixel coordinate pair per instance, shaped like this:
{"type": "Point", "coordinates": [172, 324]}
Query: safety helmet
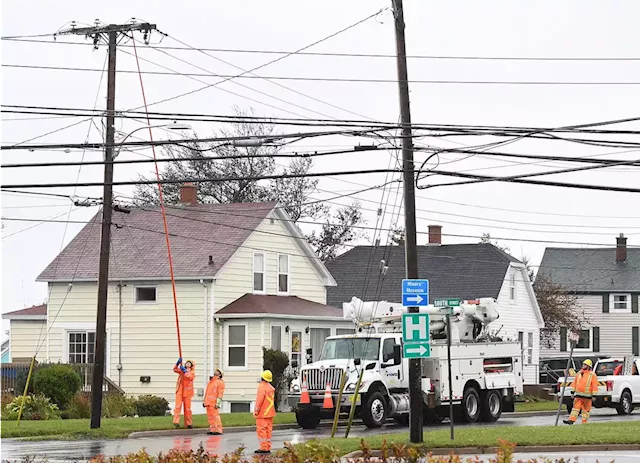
{"type": "Point", "coordinates": [267, 376]}
{"type": "Point", "coordinates": [588, 363]}
{"type": "Point", "coordinates": [218, 370]}
{"type": "Point", "coordinates": [193, 365]}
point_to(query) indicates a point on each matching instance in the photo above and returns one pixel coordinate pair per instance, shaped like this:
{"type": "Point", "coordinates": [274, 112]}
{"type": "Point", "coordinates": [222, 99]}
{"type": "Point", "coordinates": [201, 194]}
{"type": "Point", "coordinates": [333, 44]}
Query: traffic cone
{"type": "Point", "coordinates": [328, 400]}
{"type": "Point", "coordinates": [304, 393]}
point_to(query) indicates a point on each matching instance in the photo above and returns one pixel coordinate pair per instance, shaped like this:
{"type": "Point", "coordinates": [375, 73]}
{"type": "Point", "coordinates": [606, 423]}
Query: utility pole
{"type": "Point", "coordinates": [110, 34]}
{"type": "Point", "coordinates": [410, 245]}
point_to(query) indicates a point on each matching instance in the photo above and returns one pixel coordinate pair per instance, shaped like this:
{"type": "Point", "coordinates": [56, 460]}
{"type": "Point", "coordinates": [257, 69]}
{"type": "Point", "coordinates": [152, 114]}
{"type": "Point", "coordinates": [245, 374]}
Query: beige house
{"type": "Point", "coordinates": [27, 332]}
{"type": "Point", "coordinates": [220, 254]}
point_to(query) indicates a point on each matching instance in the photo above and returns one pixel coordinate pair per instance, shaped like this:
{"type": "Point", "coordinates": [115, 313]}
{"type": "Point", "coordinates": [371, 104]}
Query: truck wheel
{"type": "Point", "coordinates": [374, 412]}
{"type": "Point", "coordinates": [470, 407]}
{"type": "Point", "coordinates": [492, 407]}
{"type": "Point", "coordinates": [626, 404]}
{"type": "Point", "coordinates": [308, 419]}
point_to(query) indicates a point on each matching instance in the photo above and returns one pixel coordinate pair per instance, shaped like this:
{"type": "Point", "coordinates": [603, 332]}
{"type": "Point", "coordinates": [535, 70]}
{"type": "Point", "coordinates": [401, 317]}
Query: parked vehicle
{"type": "Point", "coordinates": [553, 368]}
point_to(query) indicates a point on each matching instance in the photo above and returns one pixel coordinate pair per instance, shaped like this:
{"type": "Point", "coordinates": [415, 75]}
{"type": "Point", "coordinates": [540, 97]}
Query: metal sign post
{"type": "Point", "coordinates": [573, 338]}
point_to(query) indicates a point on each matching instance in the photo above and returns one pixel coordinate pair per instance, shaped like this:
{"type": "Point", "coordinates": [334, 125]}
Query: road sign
{"type": "Point", "coordinates": [415, 293]}
{"type": "Point", "coordinates": [415, 328]}
{"type": "Point", "coordinates": [417, 350]}
{"type": "Point", "coordinates": [446, 303]}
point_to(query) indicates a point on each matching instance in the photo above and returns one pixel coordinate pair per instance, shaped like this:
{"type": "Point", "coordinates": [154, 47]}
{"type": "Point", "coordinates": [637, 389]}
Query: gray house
{"type": "Point", "coordinates": [607, 282]}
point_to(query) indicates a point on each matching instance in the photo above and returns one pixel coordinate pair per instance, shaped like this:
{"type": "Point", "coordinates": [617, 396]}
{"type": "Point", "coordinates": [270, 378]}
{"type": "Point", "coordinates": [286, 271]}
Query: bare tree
{"type": "Point", "coordinates": [397, 236]}
{"type": "Point", "coordinates": [337, 231]}
{"type": "Point", "coordinates": [526, 260]}
{"type": "Point", "coordinates": [486, 238]}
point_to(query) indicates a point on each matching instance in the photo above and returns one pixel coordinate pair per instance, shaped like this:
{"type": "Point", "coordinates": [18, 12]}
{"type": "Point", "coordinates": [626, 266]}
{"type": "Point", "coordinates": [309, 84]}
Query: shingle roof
{"type": "Point", "coordinates": [466, 271]}
{"type": "Point", "coordinates": [138, 248]}
{"type": "Point", "coordinates": [36, 310]}
{"type": "Point", "coordinates": [278, 305]}
{"type": "Point", "coordinates": [592, 270]}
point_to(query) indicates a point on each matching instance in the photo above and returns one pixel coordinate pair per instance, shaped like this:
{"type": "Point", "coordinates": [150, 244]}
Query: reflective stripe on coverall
{"type": "Point", "coordinates": [184, 394]}
{"type": "Point", "coordinates": [215, 391]}
{"type": "Point", "coordinates": [264, 412]}
{"type": "Point", "coordinates": [584, 385]}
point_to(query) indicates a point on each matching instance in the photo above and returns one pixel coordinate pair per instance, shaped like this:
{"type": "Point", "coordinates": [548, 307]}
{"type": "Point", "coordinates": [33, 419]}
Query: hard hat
{"type": "Point", "coordinates": [267, 376]}
{"type": "Point", "coordinates": [193, 365]}
{"type": "Point", "coordinates": [588, 362]}
{"type": "Point", "coordinates": [219, 371]}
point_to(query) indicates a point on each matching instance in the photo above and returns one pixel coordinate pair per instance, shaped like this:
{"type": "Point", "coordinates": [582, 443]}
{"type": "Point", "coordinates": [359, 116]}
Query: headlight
{"type": "Point", "coordinates": [351, 387]}
{"type": "Point", "coordinates": [295, 388]}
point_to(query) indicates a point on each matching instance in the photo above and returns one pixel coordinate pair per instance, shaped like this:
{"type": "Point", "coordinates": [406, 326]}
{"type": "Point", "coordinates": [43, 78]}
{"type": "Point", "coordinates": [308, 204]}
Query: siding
{"type": "Point", "coordinates": [615, 328]}
{"type": "Point", "coordinates": [519, 316]}
{"type": "Point", "coordinates": [25, 337]}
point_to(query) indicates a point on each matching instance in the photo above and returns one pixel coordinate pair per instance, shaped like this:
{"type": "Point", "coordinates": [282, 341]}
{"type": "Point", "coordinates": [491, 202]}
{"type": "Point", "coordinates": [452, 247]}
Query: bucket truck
{"type": "Point", "coordinates": [487, 373]}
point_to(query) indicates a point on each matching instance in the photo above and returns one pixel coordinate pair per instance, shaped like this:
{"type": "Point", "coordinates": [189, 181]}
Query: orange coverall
{"type": "Point", "coordinates": [264, 412]}
{"type": "Point", "coordinates": [184, 394]}
{"type": "Point", "coordinates": [585, 384]}
{"type": "Point", "coordinates": [215, 391]}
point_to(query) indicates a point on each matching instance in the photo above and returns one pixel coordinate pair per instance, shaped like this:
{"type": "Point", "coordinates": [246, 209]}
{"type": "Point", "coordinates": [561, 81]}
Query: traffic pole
{"type": "Point", "coordinates": [564, 385]}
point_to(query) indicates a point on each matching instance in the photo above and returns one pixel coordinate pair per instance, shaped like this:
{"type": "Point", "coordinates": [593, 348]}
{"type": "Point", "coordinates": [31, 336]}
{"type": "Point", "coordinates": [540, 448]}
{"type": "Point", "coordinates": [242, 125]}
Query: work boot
{"type": "Point", "coordinates": [262, 452]}
{"type": "Point", "coordinates": [177, 426]}
{"type": "Point", "coordinates": [189, 427]}
{"type": "Point", "coordinates": [211, 433]}
{"type": "Point", "coordinates": [569, 422]}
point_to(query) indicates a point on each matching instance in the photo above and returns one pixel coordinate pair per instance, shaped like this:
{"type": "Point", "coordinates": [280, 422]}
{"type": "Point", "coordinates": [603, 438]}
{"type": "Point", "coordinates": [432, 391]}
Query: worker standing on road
{"type": "Point", "coordinates": [584, 385]}
{"type": "Point", "coordinates": [184, 392]}
{"type": "Point", "coordinates": [265, 411]}
{"type": "Point", "coordinates": [213, 402]}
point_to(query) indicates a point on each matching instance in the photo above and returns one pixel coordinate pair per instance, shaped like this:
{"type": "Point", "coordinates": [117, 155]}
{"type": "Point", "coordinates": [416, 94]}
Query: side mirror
{"type": "Point", "coordinates": [397, 354]}
{"type": "Point", "coordinates": [356, 362]}
{"type": "Point", "coordinates": [294, 364]}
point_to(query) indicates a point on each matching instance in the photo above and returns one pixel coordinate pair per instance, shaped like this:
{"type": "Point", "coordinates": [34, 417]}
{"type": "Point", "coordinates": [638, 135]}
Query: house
{"type": "Point", "coordinates": [466, 271]}
{"type": "Point", "coordinates": [240, 270]}
{"type": "Point", "coordinates": [606, 282]}
{"type": "Point", "coordinates": [27, 333]}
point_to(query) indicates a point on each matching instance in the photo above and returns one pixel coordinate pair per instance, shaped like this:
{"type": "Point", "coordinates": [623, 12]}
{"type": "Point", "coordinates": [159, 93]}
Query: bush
{"type": "Point", "coordinates": [278, 362]}
{"type": "Point", "coordinates": [7, 398]}
{"type": "Point", "coordinates": [79, 407]}
{"type": "Point", "coordinates": [151, 405]}
{"type": "Point", "coordinates": [116, 405]}
{"type": "Point", "coordinates": [36, 407]}
{"type": "Point", "coordinates": [58, 382]}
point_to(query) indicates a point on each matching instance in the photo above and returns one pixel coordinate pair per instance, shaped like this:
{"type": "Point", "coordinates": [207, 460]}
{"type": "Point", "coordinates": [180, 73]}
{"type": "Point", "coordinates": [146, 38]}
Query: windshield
{"type": "Point", "coordinates": [606, 368]}
{"type": "Point", "coordinates": [348, 348]}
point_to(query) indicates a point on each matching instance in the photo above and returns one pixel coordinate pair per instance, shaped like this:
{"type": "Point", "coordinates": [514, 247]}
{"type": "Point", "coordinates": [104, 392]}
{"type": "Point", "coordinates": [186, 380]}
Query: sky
{"type": "Point", "coordinates": [524, 217]}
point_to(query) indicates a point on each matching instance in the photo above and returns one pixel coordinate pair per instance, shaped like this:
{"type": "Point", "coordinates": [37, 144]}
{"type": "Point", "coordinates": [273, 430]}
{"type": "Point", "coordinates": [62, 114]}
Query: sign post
{"type": "Point", "coordinates": [573, 339]}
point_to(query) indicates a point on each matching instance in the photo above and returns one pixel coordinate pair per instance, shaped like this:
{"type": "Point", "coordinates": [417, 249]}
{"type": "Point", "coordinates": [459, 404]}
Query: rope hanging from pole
{"type": "Point", "coordinates": [164, 215]}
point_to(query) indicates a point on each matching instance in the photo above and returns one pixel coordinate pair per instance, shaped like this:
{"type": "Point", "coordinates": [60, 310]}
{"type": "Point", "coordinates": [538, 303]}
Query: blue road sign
{"type": "Point", "coordinates": [415, 293]}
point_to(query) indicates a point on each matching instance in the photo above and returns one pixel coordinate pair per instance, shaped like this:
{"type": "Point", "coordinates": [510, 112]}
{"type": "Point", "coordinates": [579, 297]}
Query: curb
{"type": "Point", "coordinates": [524, 449]}
{"type": "Point", "coordinates": [531, 414]}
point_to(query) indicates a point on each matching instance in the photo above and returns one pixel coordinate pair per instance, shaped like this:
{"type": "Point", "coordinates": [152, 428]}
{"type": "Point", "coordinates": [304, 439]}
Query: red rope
{"type": "Point", "coordinates": [164, 215]}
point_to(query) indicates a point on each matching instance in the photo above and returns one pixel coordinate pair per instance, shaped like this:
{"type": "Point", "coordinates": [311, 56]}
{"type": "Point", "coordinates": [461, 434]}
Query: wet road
{"type": "Point", "coordinates": [13, 450]}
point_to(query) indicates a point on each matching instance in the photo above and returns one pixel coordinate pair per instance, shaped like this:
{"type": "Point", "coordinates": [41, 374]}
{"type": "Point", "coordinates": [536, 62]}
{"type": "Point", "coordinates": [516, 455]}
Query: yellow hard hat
{"type": "Point", "coordinates": [267, 376]}
{"type": "Point", "coordinates": [588, 362]}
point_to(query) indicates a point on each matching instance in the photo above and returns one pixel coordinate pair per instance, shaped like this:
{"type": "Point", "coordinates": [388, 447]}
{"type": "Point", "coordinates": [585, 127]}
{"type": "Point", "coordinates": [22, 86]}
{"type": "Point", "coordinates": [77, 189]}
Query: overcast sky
{"type": "Point", "coordinates": [444, 28]}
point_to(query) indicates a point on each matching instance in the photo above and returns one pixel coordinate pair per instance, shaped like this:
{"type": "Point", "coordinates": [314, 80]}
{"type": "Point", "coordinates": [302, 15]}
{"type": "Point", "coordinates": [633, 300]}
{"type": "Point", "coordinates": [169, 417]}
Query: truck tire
{"type": "Point", "coordinates": [375, 410]}
{"type": "Point", "coordinates": [470, 408]}
{"type": "Point", "coordinates": [308, 418]}
{"type": "Point", "coordinates": [626, 404]}
{"type": "Point", "coordinates": [492, 406]}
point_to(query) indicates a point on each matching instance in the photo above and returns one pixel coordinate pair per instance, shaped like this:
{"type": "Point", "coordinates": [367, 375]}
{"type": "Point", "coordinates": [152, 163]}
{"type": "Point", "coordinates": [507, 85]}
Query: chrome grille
{"type": "Point", "coordinates": [317, 379]}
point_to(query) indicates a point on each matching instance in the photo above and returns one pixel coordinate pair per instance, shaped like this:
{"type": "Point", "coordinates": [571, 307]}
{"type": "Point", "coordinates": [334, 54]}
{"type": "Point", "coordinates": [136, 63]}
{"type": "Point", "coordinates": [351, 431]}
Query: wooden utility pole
{"type": "Point", "coordinates": [110, 34]}
{"type": "Point", "coordinates": [410, 245]}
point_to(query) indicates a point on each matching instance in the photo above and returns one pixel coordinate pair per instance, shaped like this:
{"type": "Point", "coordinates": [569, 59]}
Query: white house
{"type": "Point", "coordinates": [220, 254]}
{"type": "Point", "coordinates": [466, 271]}
{"type": "Point", "coordinates": [28, 330]}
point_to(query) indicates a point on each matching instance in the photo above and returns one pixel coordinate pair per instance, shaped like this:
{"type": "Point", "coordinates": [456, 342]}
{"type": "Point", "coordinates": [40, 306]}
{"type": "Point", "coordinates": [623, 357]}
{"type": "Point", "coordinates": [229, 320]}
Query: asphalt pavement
{"type": "Point", "coordinates": [16, 450]}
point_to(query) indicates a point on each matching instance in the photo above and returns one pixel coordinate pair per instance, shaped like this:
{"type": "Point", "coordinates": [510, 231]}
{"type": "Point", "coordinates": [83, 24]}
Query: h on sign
{"type": "Point", "coordinates": [415, 327]}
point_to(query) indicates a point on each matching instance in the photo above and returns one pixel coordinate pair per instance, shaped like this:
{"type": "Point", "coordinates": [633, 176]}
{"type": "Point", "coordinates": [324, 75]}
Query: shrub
{"type": "Point", "coordinates": [79, 407]}
{"type": "Point", "coordinates": [58, 382]}
{"type": "Point", "coordinates": [36, 407]}
{"type": "Point", "coordinates": [7, 398]}
{"type": "Point", "coordinates": [277, 361]}
{"type": "Point", "coordinates": [151, 405]}
{"type": "Point", "coordinates": [116, 405]}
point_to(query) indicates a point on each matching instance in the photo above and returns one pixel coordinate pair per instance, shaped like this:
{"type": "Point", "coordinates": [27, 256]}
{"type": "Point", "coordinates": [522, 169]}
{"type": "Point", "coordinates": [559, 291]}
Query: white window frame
{"type": "Point", "coordinates": [288, 273]}
{"type": "Point", "coordinates": [512, 287]}
{"type": "Point", "coordinates": [612, 308]}
{"type": "Point", "coordinates": [272, 326]}
{"type": "Point", "coordinates": [582, 349]}
{"type": "Point", "coordinates": [530, 342]}
{"type": "Point", "coordinates": [264, 272]}
{"type": "Point", "coordinates": [245, 345]}
{"type": "Point", "coordinates": [135, 295]}
{"type": "Point", "coordinates": [67, 328]}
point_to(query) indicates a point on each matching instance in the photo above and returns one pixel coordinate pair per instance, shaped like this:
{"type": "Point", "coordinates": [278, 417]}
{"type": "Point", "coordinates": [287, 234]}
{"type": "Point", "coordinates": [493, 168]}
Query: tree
{"type": "Point", "coordinates": [294, 194]}
{"type": "Point", "coordinates": [397, 236]}
{"type": "Point", "coordinates": [486, 238]}
{"type": "Point", "coordinates": [526, 260]}
{"type": "Point", "coordinates": [277, 362]}
{"type": "Point", "coordinates": [559, 308]}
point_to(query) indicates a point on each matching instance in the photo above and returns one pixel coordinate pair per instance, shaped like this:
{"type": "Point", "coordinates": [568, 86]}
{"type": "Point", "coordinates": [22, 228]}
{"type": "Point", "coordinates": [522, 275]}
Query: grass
{"type": "Point", "coordinates": [117, 428]}
{"type": "Point", "coordinates": [539, 406]}
{"type": "Point", "coordinates": [487, 436]}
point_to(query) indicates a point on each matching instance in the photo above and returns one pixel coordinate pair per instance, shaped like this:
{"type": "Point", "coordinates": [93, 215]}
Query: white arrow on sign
{"type": "Point", "coordinates": [417, 299]}
{"type": "Point", "coordinates": [417, 350]}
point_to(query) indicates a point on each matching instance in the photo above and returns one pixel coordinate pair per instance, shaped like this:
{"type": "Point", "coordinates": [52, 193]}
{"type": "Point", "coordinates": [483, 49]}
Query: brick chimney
{"type": "Point", "coordinates": [435, 234]}
{"type": "Point", "coordinates": [189, 194]}
{"type": "Point", "coordinates": [621, 248]}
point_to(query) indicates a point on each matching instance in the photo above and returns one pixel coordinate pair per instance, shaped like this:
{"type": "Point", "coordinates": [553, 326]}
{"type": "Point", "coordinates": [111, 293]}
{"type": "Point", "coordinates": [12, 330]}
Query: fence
{"type": "Point", "coordinates": [14, 374]}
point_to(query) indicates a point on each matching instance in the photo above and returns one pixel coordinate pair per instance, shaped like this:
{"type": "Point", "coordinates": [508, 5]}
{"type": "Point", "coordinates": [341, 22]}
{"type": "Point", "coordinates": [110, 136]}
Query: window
{"type": "Point", "coordinates": [620, 303]}
{"type": "Point", "coordinates": [240, 407]}
{"type": "Point", "coordinates": [530, 349]}
{"type": "Point", "coordinates": [82, 346]}
{"type": "Point", "coordinates": [237, 346]}
{"type": "Point", "coordinates": [296, 347]}
{"type": "Point", "coordinates": [344, 331]}
{"type": "Point", "coordinates": [283, 273]}
{"type": "Point", "coordinates": [364, 349]}
{"type": "Point", "coordinates": [387, 349]}
{"type": "Point", "coordinates": [276, 337]}
{"type": "Point", "coordinates": [585, 340]}
{"type": "Point", "coordinates": [145, 294]}
{"type": "Point", "coordinates": [512, 287]}
{"type": "Point", "coordinates": [258, 273]}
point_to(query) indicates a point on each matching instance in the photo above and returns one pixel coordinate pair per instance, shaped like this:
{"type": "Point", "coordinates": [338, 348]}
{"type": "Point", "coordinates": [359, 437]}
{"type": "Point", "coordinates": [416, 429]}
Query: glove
{"type": "Point", "coordinates": [218, 402]}
{"type": "Point", "coordinates": [183, 369]}
{"type": "Point", "coordinates": [179, 361]}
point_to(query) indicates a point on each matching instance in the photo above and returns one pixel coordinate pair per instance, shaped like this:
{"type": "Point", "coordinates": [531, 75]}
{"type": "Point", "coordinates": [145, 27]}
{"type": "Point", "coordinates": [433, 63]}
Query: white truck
{"type": "Point", "coordinates": [487, 375]}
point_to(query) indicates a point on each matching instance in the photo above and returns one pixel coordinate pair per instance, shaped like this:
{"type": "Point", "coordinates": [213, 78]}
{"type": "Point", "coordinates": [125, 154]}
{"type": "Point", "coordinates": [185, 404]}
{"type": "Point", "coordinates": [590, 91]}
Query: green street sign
{"type": "Point", "coordinates": [416, 350]}
{"type": "Point", "coordinates": [446, 303]}
{"type": "Point", "coordinates": [415, 328]}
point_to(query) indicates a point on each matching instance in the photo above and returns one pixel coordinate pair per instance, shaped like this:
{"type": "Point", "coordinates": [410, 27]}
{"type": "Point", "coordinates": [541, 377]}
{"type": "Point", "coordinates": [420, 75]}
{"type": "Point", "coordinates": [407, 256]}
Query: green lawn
{"type": "Point", "coordinates": [543, 405]}
{"type": "Point", "coordinates": [487, 436]}
{"type": "Point", "coordinates": [114, 428]}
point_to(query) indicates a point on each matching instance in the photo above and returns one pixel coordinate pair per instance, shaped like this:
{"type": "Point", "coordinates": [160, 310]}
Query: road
{"type": "Point", "coordinates": [13, 450]}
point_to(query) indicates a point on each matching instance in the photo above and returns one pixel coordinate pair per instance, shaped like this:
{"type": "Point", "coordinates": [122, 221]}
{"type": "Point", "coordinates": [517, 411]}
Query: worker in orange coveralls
{"type": "Point", "coordinates": [213, 402]}
{"type": "Point", "coordinates": [184, 392]}
{"type": "Point", "coordinates": [264, 411]}
{"type": "Point", "coordinates": [584, 385]}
